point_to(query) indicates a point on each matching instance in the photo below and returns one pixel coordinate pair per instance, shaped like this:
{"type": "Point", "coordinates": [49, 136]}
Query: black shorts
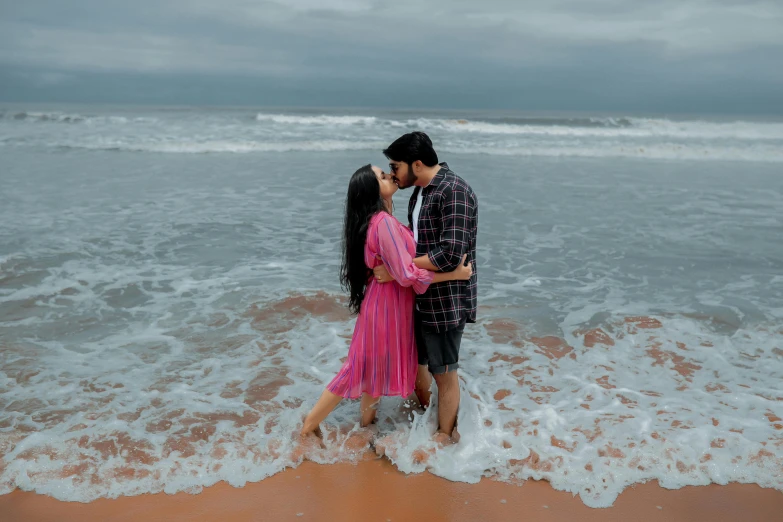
{"type": "Point", "coordinates": [439, 351]}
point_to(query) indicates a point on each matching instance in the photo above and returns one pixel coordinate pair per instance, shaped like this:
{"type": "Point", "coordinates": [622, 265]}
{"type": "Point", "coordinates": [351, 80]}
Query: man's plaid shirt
{"type": "Point", "coordinates": [448, 222]}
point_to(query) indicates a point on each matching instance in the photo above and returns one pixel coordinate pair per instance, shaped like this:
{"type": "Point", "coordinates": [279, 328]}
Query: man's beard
{"type": "Point", "coordinates": [410, 178]}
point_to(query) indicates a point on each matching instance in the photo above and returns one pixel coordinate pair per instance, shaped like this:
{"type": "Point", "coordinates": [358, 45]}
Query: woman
{"type": "Point", "coordinates": [382, 357]}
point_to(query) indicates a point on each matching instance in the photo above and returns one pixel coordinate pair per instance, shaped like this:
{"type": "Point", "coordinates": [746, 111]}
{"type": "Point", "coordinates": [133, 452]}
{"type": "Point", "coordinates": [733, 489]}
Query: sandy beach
{"type": "Point", "coordinates": [375, 490]}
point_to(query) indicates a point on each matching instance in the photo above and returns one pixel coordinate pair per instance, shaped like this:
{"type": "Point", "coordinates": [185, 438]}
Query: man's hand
{"type": "Point", "coordinates": [381, 274]}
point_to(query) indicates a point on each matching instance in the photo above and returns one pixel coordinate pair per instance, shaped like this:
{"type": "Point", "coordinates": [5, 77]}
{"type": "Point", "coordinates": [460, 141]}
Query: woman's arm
{"type": "Point", "coordinates": [424, 263]}
{"type": "Point", "coordinates": [397, 259]}
{"type": "Point", "coordinates": [461, 273]}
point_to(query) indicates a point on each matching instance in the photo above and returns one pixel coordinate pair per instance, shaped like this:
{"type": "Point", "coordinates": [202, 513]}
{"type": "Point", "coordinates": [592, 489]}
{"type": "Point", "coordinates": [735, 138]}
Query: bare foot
{"type": "Point", "coordinates": [443, 439]}
{"type": "Point", "coordinates": [308, 445]}
{"type": "Point", "coordinates": [309, 429]}
{"type": "Point", "coordinates": [309, 439]}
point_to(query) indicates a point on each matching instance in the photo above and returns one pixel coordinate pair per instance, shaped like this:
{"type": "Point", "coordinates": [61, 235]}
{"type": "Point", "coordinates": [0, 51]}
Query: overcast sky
{"type": "Point", "coordinates": [608, 55]}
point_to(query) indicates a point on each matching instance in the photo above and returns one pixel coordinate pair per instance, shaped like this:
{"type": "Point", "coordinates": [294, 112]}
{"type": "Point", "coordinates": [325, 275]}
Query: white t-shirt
{"type": "Point", "coordinates": [416, 211]}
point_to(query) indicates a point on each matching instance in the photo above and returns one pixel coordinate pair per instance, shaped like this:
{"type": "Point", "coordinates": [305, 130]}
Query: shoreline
{"type": "Point", "coordinates": [376, 490]}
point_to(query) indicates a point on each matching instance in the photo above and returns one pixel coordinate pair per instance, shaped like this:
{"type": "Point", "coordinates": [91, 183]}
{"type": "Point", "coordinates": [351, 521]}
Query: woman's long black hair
{"type": "Point", "coordinates": [362, 203]}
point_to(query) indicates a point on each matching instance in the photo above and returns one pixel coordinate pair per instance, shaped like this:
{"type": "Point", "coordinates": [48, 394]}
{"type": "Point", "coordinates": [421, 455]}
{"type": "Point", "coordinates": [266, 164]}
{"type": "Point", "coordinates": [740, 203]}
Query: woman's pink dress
{"type": "Point", "coordinates": [382, 358]}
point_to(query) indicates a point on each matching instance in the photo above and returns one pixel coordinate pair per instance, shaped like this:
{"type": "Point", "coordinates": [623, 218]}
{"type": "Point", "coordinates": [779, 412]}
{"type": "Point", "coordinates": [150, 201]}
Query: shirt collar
{"type": "Point", "coordinates": [434, 182]}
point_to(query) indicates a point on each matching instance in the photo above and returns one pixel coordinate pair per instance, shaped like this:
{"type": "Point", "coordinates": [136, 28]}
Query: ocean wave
{"type": "Point", "coordinates": [635, 128]}
{"type": "Point", "coordinates": [199, 132]}
{"type": "Point", "coordinates": [322, 120]}
{"type": "Point", "coordinates": [632, 128]}
{"type": "Point", "coordinates": [56, 117]}
{"type": "Point", "coordinates": [63, 117]}
{"type": "Point", "coordinates": [230, 146]}
{"type": "Point", "coordinates": [607, 122]}
{"type": "Point", "coordinates": [605, 127]}
{"type": "Point", "coordinates": [662, 151]}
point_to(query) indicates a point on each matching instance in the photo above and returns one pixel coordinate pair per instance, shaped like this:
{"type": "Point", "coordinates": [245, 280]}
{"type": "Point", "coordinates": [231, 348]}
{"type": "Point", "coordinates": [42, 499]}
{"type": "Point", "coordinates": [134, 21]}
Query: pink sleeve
{"type": "Point", "coordinates": [397, 259]}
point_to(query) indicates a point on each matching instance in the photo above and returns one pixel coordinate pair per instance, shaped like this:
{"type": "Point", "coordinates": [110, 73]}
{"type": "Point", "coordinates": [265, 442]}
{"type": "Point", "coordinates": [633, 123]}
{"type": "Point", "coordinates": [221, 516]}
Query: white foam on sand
{"type": "Point", "coordinates": [156, 409]}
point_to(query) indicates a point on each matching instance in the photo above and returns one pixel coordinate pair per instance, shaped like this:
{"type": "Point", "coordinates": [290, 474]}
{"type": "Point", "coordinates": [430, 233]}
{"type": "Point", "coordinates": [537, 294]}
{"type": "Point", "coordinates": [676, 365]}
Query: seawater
{"type": "Point", "coordinates": [170, 305]}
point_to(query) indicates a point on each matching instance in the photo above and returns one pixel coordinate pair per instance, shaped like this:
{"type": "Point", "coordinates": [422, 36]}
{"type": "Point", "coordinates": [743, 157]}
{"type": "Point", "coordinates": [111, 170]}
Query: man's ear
{"type": "Point", "coordinates": [416, 166]}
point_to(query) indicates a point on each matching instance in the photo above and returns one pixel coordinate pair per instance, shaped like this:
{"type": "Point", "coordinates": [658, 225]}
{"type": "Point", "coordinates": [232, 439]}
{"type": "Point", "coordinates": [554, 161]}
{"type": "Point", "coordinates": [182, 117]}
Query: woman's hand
{"type": "Point", "coordinates": [380, 273]}
{"type": "Point", "coordinates": [463, 272]}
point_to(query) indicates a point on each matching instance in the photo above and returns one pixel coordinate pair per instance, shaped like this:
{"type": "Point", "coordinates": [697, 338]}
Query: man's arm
{"type": "Point", "coordinates": [454, 236]}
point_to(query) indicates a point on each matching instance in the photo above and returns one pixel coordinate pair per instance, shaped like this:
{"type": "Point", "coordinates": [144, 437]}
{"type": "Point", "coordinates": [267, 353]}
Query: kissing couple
{"type": "Point", "coordinates": [413, 287]}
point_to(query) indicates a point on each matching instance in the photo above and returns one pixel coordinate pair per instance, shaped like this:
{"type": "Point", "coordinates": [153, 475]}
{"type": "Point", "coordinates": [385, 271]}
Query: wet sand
{"type": "Point", "coordinates": [375, 490]}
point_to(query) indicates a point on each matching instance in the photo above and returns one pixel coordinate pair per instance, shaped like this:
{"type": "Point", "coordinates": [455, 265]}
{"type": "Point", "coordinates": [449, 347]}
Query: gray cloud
{"type": "Point", "coordinates": [597, 47]}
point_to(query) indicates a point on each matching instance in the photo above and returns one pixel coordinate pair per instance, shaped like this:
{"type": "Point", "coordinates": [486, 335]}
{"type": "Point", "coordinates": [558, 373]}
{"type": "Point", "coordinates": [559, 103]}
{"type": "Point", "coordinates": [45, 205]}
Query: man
{"type": "Point", "coordinates": [443, 215]}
